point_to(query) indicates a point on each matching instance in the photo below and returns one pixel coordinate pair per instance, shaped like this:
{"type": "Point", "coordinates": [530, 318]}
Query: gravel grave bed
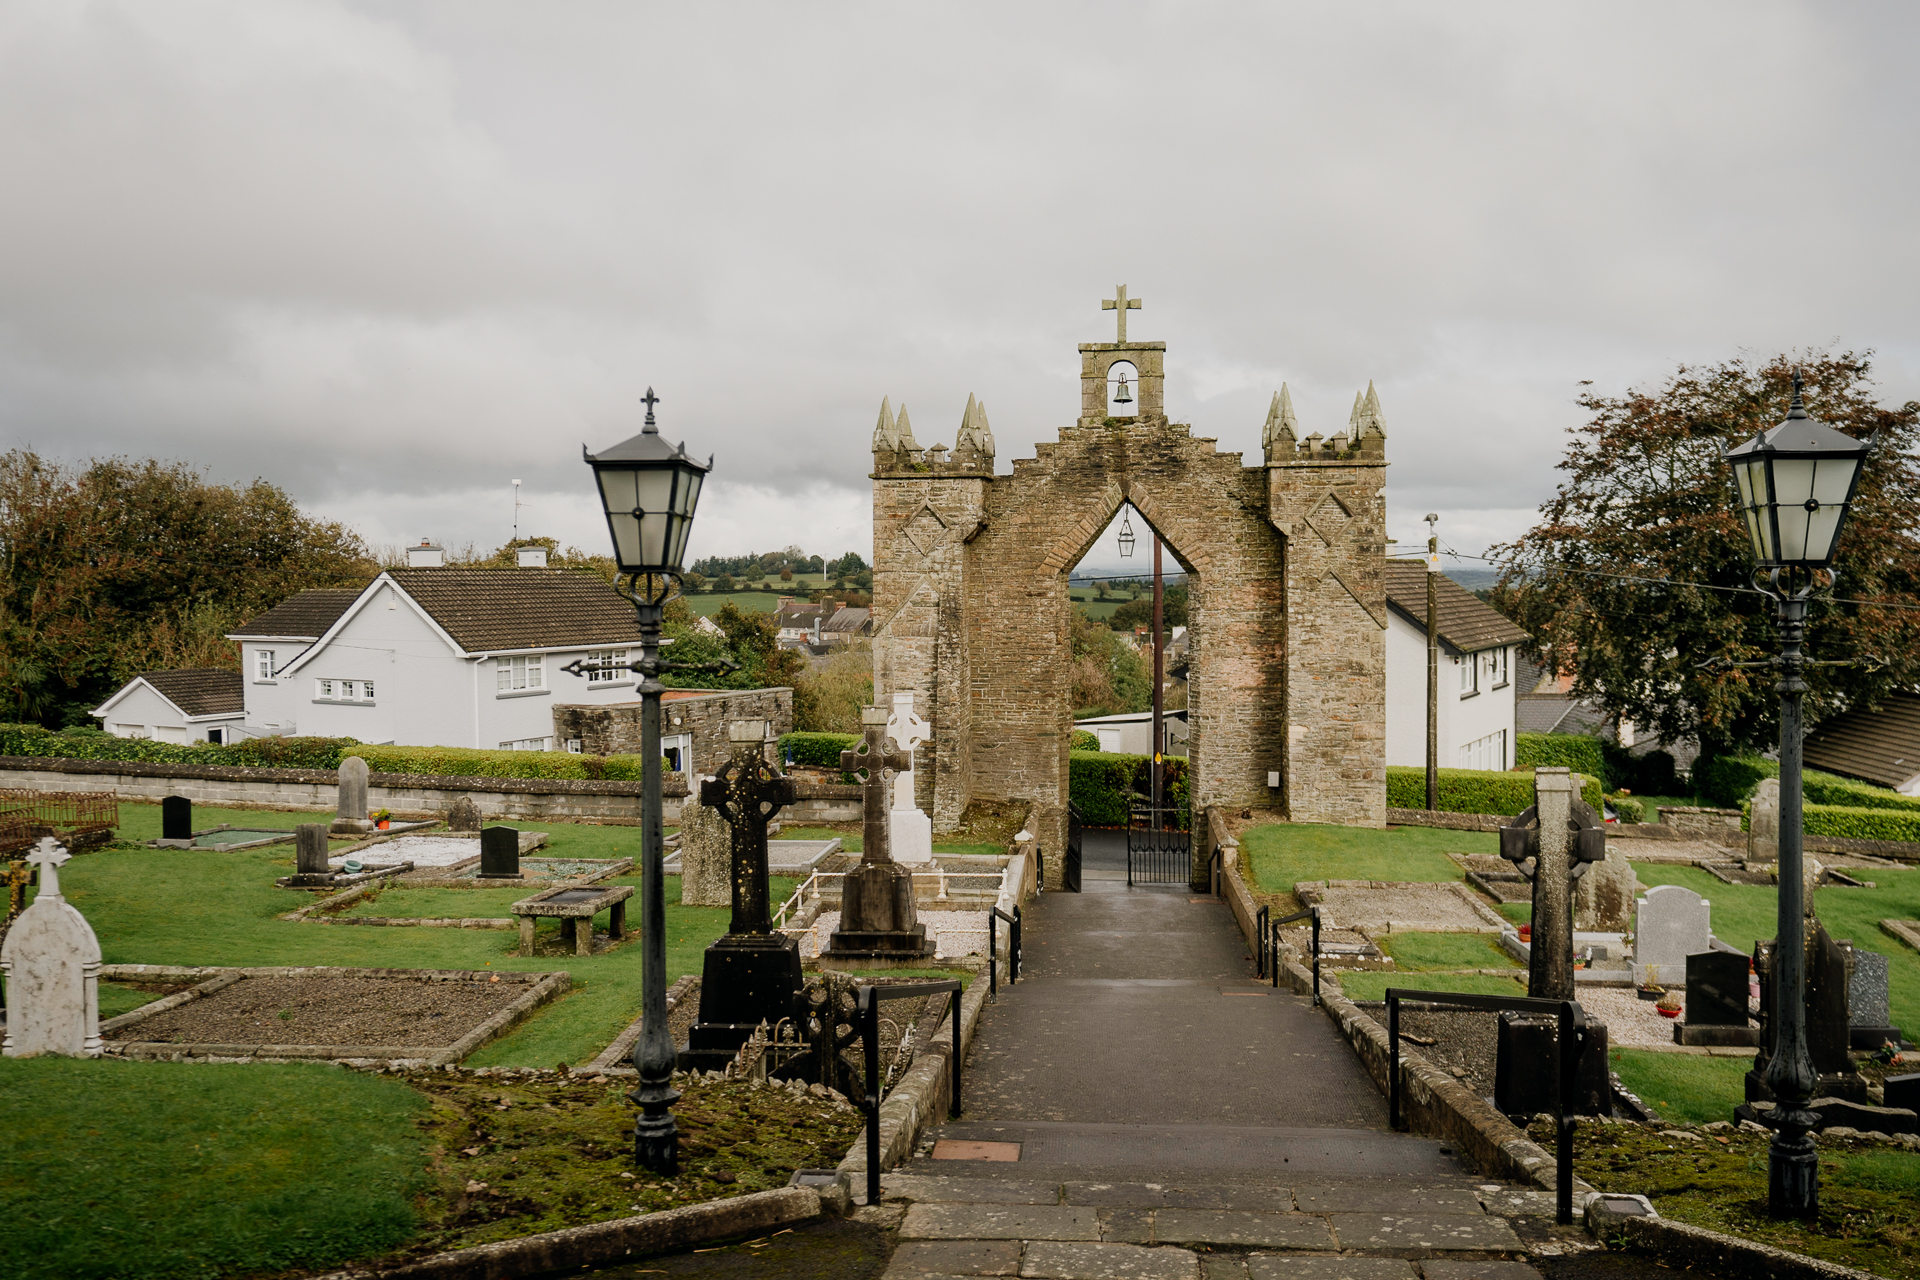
{"type": "Point", "coordinates": [321, 1010]}
{"type": "Point", "coordinates": [421, 851]}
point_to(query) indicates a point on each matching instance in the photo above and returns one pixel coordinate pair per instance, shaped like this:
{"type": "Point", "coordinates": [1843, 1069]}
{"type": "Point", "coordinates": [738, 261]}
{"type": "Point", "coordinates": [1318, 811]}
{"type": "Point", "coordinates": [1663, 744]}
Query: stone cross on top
{"type": "Point", "coordinates": [748, 792]}
{"type": "Point", "coordinates": [49, 855]}
{"type": "Point", "coordinates": [908, 731]}
{"type": "Point", "coordinates": [1120, 304]}
{"type": "Point", "coordinates": [878, 756]}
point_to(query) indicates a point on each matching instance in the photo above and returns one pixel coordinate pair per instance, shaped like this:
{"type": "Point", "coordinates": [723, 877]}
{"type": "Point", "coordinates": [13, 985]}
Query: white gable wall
{"type": "Point", "coordinates": [143, 713]}
{"type": "Point", "coordinates": [1461, 721]}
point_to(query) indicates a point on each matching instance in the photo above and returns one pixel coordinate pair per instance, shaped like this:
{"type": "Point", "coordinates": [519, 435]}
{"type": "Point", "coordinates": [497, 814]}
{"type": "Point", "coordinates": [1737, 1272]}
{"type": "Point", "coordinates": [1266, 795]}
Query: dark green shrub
{"type": "Point", "coordinates": [1084, 740]}
{"type": "Point", "coordinates": [1102, 785]}
{"type": "Point", "coordinates": [1579, 752]}
{"type": "Point", "coordinates": [1724, 782]}
{"type": "Point", "coordinates": [1473, 790]}
{"type": "Point", "coordinates": [289, 753]}
{"type": "Point", "coordinates": [1827, 788]}
{"type": "Point", "coordinates": [1847, 823]}
{"type": "Point", "coordinates": [1627, 809]}
{"type": "Point", "coordinates": [819, 750]}
{"type": "Point", "coordinates": [466, 762]}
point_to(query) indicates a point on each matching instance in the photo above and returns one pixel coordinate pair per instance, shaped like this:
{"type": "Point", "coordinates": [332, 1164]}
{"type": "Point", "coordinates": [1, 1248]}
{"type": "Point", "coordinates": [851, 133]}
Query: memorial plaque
{"type": "Point", "coordinates": [1716, 989]}
{"type": "Point", "coordinates": [500, 854]}
{"type": "Point", "coordinates": [176, 818]}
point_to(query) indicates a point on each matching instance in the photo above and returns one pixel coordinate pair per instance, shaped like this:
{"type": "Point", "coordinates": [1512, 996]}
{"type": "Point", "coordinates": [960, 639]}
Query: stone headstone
{"type": "Point", "coordinates": [1867, 991]}
{"type": "Point", "coordinates": [1763, 822]}
{"type": "Point", "coordinates": [350, 815]}
{"type": "Point", "coordinates": [310, 849]}
{"type": "Point", "coordinates": [1550, 957]}
{"type": "Point", "coordinates": [706, 854]}
{"type": "Point", "coordinates": [176, 818]}
{"type": "Point", "coordinates": [1672, 922]}
{"type": "Point", "coordinates": [1603, 899]}
{"type": "Point", "coordinates": [463, 815]}
{"type": "Point", "coordinates": [51, 960]}
{"type": "Point", "coordinates": [1716, 989]}
{"type": "Point", "coordinates": [1903, 1091]}
{"type": "Point", "coordinates": [500, 854]}
{"type": "Point", "coordinates": [1829, 1034]}
{"type": "Point", "coordinates": [910, 829]}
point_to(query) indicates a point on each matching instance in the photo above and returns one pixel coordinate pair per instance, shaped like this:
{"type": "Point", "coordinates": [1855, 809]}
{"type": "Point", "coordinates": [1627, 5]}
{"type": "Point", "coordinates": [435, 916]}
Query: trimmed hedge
{"type": "Point", "coordinates": [1849, 823]}
{"type": "Point", "coordinates": [1084, 740]}
{"type": "Point", "coordinates": [1102, 784]}
{"type": "Point", "coordinates": [818, 750]}
{"type": "Point", "coordinates": [1845, 793]}
{"type": "Point", "coordinates": [1580, 752]}
{"type": "Point", "coordinates": [257, 753]}
{"type": "Point", "coordinates": [1733, 779]}
{"type": "Point", "coordinates": [466, 762]}
{"type": "Point", "coordinates": [1627, 809]}
{"type": "Point", "coordinates": [1474, 790]}
{"type": "Point", "coordinates": [1725, 782]}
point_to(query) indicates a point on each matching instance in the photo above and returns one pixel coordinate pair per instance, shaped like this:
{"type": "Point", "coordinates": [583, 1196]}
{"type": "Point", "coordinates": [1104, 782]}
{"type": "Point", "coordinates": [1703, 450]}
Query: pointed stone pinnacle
{"type": "Point", "coordinates": [883, 431]}
{"type": "Point", "coordinates": [1359, 403]}
{"type": "Point", "coordinates": [1288, 421]}
{"type": "Point", "coordinates": [903, 431]}
{"type": "Point", "coordinates": [1374, 421]}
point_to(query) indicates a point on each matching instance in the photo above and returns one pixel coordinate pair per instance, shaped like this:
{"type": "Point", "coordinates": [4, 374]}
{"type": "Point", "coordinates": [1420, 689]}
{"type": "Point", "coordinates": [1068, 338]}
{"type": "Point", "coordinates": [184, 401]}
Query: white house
{"type": "Point", "coordinates": [1475, 717]}
{"type": "Point", "coordinates": [195, 705]}
{"type": "Point", "coordinates": [1132, 731]}
{"type": "Point", "coordinates": [437, 656]}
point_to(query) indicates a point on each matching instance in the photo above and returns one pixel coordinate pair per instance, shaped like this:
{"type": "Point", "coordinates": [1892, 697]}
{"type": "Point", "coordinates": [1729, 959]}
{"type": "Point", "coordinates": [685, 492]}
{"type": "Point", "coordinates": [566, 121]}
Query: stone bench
{"type": "Point", "coordinates": [575, 908]}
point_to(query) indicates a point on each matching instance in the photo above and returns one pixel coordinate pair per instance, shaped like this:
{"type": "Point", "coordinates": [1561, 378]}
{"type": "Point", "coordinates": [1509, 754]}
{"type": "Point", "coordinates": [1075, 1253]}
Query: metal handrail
{"type": "Point", "coordinates": [993, 951]}
{"type": "Point", "coordinates": [867, 1009]}
{"type": "Point", "coordinates": [1261, 937]}
{"type": "Point", "coordinates": [1314, 913]}
{"type": "Point", "coordinates": [1572, 1037]}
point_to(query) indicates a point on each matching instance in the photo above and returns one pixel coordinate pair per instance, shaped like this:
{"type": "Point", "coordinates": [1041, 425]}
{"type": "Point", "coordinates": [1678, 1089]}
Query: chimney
{"type": "Point", "coordinates": [531, 557]}
{"type": "Point", "coordinates": [426, 556]}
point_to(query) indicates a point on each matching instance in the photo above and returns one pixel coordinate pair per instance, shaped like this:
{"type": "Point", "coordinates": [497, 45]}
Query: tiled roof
{"type": "Point", "coordinates": [848, 619]}
{"type": "Point", "coordinates": [486, 609]}
{"type": "Point", "coordinates": [1881, 745]}
{"type": "Point", "coordinates": [1465, 623]}
{"type": "Point", "coordinates": [200, 691]}
{"type": "Point", "coordinates": [307, 615]}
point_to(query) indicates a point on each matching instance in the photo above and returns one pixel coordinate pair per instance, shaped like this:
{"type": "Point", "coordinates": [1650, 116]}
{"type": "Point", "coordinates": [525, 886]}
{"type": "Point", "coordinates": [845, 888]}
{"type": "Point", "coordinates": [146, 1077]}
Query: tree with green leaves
{"type": "Point", "coordinates": [1638, 574]}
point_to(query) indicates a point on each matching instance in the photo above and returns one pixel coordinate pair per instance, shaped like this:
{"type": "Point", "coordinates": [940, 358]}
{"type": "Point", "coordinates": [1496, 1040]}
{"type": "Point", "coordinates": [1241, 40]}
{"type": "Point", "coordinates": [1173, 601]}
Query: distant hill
{"type": "Point", "coordinates": [1476, 578]}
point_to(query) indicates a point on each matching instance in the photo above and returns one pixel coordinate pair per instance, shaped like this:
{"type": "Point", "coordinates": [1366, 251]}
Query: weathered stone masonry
{"type": "Point", "coordinates": [1286, 596]}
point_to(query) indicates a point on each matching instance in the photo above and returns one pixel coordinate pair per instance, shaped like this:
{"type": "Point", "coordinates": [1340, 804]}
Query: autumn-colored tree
{"type": "Point", "coordinates": [1108, 675]}
{"type": "Point", "coordinates": [1639, 570]}
{"type": "Point", "coordinates": [121, 566]}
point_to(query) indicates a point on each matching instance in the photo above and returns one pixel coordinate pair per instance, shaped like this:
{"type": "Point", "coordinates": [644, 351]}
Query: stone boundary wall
{"type": "Point", "coordinates": [1713, 1252]}
{"type": "Point", "coordinates": [613, 802]}
{"type": "Point", "coordinates": [613, 728]}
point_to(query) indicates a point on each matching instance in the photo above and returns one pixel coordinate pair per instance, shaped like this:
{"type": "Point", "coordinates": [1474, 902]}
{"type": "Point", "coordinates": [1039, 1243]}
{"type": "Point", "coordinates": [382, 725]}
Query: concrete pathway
{"type": "Point", "coordinates": [1143, 1108]}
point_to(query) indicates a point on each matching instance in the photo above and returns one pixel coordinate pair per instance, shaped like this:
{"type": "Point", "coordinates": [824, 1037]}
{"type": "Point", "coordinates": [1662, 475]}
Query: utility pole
{"type": "Point", "coordinates": [1159, 677]}
{"type": "Point", "coordinates": [1433, 663]}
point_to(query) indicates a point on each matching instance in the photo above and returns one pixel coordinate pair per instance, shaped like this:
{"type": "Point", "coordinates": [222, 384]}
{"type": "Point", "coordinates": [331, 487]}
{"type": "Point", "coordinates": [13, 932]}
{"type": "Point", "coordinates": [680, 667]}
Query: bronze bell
{"type": "Point", "coordinates": [1123, 396]}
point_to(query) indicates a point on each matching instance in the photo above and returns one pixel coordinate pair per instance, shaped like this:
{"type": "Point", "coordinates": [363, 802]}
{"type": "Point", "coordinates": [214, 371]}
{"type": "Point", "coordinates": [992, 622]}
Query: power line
{"type": "Point", "coordinates": [1666, 582]}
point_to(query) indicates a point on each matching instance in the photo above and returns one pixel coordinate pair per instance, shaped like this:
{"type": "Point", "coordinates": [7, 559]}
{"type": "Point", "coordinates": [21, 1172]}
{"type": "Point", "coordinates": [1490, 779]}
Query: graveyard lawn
{"type": "Point", "coordinates": [196, 907]}
{"type": "Point", "coordinates": [1743, 913]}
{"type": "Point", "coordinates": [1687, 1087]}
{"type": "Point", "coordinates": [1719, 1181]}
{"type": "Point", "coordinates": [1428, 952]}
{"type": "Point", "coordinates": [1280, 855]}
{"type": "Point", "coordinates": [1373, 984]}
{"type": "Point", "coordinates": [134, 1170]}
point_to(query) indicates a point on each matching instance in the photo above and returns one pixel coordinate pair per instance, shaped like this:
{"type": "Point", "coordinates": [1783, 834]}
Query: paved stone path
{"type": "Point", "coordinates": [1176, 1119]}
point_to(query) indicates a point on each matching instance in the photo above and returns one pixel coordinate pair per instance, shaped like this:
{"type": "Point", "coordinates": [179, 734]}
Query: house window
{"type": "Point", "coordinates": [1469, 674]}
{"type": "Point", "coordinates": [616, 668]}
{"type": "Point", "coordinates": [1497, 667]}
{"type": "Point", "coordinates": [677, 751]}
{"type": "Point", "coordinates": [1489, 752]}
{"type": "Point", "coordinates": [519, 673]}
{"type": "Point", "coordinates": [323, 689]}
{"type": "Point", "coordinates": [343, 691]}
{"type": "Point", "coordinates": [263, 664]}
{"type": "Point", "coordinates": [525, 744]}
{"type": "Point", "coordinates": [573, 745]}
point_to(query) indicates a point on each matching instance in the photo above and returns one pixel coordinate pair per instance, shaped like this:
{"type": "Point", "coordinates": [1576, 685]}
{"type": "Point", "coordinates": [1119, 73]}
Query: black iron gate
{"type": "Point", "coordinates": [1158, 852]}
{"type": "Point", "coordinates": [1070, 872]}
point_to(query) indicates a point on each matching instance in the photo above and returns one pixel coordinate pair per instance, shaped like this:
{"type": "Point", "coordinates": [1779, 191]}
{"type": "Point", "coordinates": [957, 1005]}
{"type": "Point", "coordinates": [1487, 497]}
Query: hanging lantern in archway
{"type": "Point", "coordinates": [1126, 531]}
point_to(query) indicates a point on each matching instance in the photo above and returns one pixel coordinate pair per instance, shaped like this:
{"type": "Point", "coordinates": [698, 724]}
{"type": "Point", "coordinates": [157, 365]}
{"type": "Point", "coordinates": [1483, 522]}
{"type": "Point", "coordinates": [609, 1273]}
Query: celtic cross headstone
{"type": "Point", "coordinates": [877, 915]}
{"type": "Point", "coordinates": [51, 960]}
{"type": "Point", "coordinates": [911, 830]}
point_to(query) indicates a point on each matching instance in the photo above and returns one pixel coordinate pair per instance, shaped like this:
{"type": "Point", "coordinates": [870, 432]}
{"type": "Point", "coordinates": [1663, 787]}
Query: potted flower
{"type": "Point", "coordinates": [1649, 989]}
{"type": "Point", "coordinates": [383, 818]}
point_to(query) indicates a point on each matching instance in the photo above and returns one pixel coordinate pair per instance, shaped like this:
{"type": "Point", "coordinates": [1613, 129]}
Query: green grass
{"type": "Point", "coordinates": [151, 1170]}
{"type": "Point", "coordinates": [116, 999]}
{"type": "Point", "coordinates": [192, 907]}
{"type": "Point", "coordinates": [476, 904]}
{"type": "Point", "coordinates": [1518, 912]}
{"type": "Point", "coordinates": [1423, 952]}
{"type": "Point", "coordinates": [1683, 1086]}
{"type": "Point", "coordinates": [141, 822]}
{"type": "Point", "coordinates": [706, 605]}
{"type": "Point", "coordinates": [1098, 610]}
{"type": "Point", "coordinates": [1743, 913]}
{"type": "Point", "coordinates": [1372, 985]}
{"type": "Point", "coordinates": [1283, 854]}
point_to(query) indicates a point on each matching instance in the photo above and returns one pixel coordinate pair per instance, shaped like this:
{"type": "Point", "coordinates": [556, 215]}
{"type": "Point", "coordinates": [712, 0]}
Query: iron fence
{"type": "Point", "coordinates": [993, 951]}
{"type": "Point", "coordinates": [869, 999]}
{"type": "Point", "coordinates": [1158, 851]}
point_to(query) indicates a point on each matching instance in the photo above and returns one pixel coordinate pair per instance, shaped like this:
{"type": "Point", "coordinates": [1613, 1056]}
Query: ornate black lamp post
{"type": "Point", "coordinates": [1795, 484]}
{"type": "Point", "coordinates": [648, 489]}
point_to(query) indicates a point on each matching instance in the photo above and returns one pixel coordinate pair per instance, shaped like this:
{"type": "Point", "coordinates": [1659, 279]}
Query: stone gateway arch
{"type": "Point", "coordinates": [1287, 604]}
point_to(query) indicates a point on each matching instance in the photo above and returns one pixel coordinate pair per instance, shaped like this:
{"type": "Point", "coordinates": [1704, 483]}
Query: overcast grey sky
{"type": "Point", "coordinates": [391, 256]}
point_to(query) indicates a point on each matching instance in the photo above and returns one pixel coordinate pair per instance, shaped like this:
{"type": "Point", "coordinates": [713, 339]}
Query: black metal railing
{"type": "Point", "coordinates": [1214, 875]}
{"type": "Point", "coordinates": [1261, 941]}
{"type": "Point", "coordinates": [1273, 945]}
{"type": "Point", "coordinates": [1070, 868]}
{"type": "Point", "coordinates": [1572, 1038]}
{"type": "Point", "coordinates": [867, 1010]}
{"type": "Point", "coordinates": [994, 918]}
{"type": "Point", "coordinates": [1158, 851]}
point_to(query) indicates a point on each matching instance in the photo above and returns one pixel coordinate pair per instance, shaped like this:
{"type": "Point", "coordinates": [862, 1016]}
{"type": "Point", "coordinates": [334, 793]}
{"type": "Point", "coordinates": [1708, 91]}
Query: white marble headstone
{"type": "Point", "coordinates": [52, 964]}
{"type": "Point", "coordinates": [911, 830]}
{"type": "Point", "coordinates": [1672, 923]}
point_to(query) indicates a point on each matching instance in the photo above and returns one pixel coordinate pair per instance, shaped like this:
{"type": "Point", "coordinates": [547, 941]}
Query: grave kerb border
{"type": "Point", "coordinates": [542, 987]}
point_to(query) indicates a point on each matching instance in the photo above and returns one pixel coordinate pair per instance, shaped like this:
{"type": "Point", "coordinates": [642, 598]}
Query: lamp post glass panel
{"type": "Point", "coordinates": [1795, 483]}
{"type": "Point", "coordinates": [648, 489]}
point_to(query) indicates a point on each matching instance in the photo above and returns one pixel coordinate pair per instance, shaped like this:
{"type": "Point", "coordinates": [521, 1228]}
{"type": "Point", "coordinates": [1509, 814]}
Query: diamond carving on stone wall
{"type": "Point", "coordinates": [924, 530]}
{"type": "Point", "coordinates": [1329, 518]}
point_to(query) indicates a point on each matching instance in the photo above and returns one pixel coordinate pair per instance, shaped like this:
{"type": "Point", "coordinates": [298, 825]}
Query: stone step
{"type": "Point", "coordinates": [1154, 1153]}
{"type": "Point", "coordinates": [1312, 1195]}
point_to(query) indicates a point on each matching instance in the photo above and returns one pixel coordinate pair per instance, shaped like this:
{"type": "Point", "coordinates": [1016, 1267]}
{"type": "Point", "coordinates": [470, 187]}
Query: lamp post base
{"type": "Point", "coordinates": [656, 1141]}
{"type": "Point", "coordinates": [1793, 1181]}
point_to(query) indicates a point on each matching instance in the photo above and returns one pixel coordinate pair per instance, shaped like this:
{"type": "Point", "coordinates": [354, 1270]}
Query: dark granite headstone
{"type": "Point", "coordinates": [499, 854]}
{"type": "Point", "coordinates": [310, 848]}
{"type": "Point", "coordinates": [176, 818]}
{"type": "Point", "coordinates": [1716, 989]}
{"type": "Point", "coordinates": [1903, 1091]}
{"type": "Point", "coordinates": [1869, 1014]}
{"type": "Point", "coordinates": [1525, 1075]}
{"type": "Point", "coordinates": [1829, 1035]}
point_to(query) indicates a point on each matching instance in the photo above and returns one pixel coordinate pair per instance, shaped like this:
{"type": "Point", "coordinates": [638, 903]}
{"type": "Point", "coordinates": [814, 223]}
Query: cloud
{"type": "Point", "coordinates": [390, 256]}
